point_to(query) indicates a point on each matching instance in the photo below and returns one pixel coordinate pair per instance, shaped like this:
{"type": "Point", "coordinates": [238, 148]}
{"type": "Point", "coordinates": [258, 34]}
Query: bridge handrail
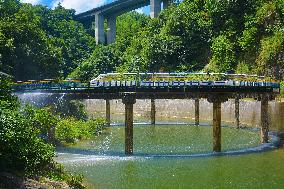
{"type": "Point", "coordinates": [183, 79]}
{"type": "Point", "coordinates": [178, 76]}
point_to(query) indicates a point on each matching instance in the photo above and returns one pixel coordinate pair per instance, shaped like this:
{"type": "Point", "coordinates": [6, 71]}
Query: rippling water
{"type": "Point", "coordinates": [168, 139]}
{"type": "Point", "coordinates": [254, 171]}
{"type": "Point", "coordinates": [165, 157]}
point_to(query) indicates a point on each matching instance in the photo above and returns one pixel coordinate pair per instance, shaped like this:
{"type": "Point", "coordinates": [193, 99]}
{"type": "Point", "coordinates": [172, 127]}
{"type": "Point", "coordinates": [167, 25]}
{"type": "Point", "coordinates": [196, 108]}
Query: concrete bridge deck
{"type": "Point", "coordinates": [115, 8]}
{"type": "Point", "coordinates": [174, 92]}
{"type": "Point", "coordinates": [111, 11]}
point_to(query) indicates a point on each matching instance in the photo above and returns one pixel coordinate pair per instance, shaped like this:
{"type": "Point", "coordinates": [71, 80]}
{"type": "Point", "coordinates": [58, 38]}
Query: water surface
{"type": "Point", "coordinates": [104, 165]}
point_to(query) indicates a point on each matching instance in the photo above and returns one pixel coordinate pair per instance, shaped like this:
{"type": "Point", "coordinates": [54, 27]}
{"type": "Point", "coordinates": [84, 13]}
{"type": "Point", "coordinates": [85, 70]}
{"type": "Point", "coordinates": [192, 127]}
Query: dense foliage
{"type": "Point", "coordinates": [37, 42]}
{"type": "Point", "coordinates": [197, 35]}
{"type": "Point", "coordinates": [194, 35]}
{"type": "Point", "coordinates": [26, 135]}
{"type": "Point", "coordinates": [20, 146]}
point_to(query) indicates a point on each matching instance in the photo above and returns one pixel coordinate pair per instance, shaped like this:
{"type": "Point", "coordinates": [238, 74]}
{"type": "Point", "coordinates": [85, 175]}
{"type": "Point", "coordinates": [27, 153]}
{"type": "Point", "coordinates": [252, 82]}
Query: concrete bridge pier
{"type": "Point", "coordinates": [111, 31]}
{"type": "Point", "coordinates": [153, 112]}
{"type": "Point", "coordinates": [128, 100]}
{"type": "Point", "coordinates": [217, 100]}
{"type": "Point", "coordinates": [111, 11]}
{"type": "Point", "coordinates": [237, 112]}
{"type": "Point", "coordinates": [99, 29]}
{"type": "Point", "coordinates": [155, 8]}
{"type": "Point", "coordinates": [196, 102]}
{"type": "Point", "coordinates": [108, 112]}
{"type": "Point", "coordinates": [264, 118]}
{"type": "Point", "coordinates": [166, 4]}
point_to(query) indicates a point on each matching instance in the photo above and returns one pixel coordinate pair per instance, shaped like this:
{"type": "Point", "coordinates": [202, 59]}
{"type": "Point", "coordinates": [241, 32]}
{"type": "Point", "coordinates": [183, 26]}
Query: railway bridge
{"type": "Point", "coordinates": [111, 11]}
{"type": "Point", "coordinates": [129, 90]}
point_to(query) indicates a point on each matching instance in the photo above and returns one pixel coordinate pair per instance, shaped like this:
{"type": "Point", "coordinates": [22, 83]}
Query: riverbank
{"type": "Point", "coordinates": [13, 181]}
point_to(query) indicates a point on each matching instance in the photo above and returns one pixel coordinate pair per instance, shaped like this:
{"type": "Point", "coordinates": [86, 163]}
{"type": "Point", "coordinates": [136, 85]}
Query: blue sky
{"type": "Point", "coordinates": [78, 5]}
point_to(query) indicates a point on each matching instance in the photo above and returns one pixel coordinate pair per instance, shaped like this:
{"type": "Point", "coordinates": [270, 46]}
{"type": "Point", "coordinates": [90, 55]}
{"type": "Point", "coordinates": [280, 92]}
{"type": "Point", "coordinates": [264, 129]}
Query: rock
{"type": "Point", "coordinates": [281, 137]}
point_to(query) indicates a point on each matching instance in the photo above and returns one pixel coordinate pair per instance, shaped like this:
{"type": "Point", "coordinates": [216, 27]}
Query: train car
{"type": "Point", "coordinates": [70, 83]}
{"type": "Point", "coordinates": [220, 83]}
{"type": "Point", "coordinates": [178, 80]}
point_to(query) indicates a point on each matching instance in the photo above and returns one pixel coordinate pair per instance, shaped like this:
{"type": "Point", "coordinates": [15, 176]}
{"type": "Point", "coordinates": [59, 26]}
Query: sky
{"type": "Point", "coordinates": [78, 5]}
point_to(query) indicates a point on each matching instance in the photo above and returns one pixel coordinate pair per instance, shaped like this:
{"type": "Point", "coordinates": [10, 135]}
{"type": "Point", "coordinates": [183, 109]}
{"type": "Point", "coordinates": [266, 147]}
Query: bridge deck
{"type": "Point", "coordinates": [173, 92]}
{"type": "Point", "coordinates": [117, 7]}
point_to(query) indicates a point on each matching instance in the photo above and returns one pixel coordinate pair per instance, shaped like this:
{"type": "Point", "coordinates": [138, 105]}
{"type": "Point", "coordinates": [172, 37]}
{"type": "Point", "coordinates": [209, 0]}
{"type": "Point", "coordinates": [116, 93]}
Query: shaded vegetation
{"type": "Point", "coordinates": [26, 135]}
{"type": "Point", "coordinates": [34, 39]}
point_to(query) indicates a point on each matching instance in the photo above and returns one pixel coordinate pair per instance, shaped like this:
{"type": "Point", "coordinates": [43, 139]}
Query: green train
{"type": "Point", "coordinates": [49, 84]}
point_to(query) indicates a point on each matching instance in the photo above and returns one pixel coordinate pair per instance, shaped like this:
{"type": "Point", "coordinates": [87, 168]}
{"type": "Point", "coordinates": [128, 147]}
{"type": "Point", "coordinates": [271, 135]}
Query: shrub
{"type": "Point", "coordinates": [69, 130]}
{"type": "Point", "coordinates": [96, 125]}
{"type": "Point", "coordinates": [70, 108]}
{"type": "Point", "coordinates": [20, 147]}
{"type": "Point", "coordinates": [21, 150]}
{"type": "Point", "coordinates": [66, 130]}
{"type": "Point", "coordinates": [41, 119]}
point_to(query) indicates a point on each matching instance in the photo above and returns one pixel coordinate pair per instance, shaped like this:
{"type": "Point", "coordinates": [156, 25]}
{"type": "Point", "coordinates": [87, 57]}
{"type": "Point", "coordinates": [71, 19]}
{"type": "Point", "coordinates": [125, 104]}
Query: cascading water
{"type": "Point", "coordinates": [39, 99]}
{"type": "Point", "coordinates": [182, 111]}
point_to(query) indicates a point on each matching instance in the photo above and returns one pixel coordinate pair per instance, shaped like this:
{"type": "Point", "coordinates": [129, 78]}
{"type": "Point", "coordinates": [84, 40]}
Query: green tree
{"type": "Point", "coordinates": [223, 55]}
{"type": "Point", "coordinates": [104, 59]}
{"type": "Point", "coordinates": [35, 38]}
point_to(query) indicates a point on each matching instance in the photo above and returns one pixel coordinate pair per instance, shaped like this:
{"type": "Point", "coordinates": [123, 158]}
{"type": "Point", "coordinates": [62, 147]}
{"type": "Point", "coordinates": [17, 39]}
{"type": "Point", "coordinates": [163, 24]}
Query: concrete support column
{"type": "Point", "coordinates": [99, 29]}
{"type": "Point", "coordinates": [264, 119]}
{"type": "Point", "coordinates": [217, 101]}
{"type": "Point", "coordinates": [108, 112]}
{"type": "Point", "coordinates": [197, 112]}
{"type": "Point", "coordinates": [128, 100]}
{"type": "Point", "coordinates": [111, 31]}
{"type": "Point", "coordinates": [166, 4]}
{"type": "Point", "coordinates": [155, 8]}
{"type": "Point", "coordinates": [217, 126]}
{"type": "Point", "coordinates": [153, 112]}
{"type": "Point", "coordinates": [237, 112]}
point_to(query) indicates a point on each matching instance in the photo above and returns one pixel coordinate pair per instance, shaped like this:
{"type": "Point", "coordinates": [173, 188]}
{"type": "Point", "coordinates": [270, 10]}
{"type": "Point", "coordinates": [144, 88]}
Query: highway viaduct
{"type": "Point", "coordinates": [111, 11]}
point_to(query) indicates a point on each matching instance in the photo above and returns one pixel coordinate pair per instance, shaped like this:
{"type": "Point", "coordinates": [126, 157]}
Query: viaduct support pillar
{"type": "Point", "coordinates": [153, 112]}
{"type": "Point", "coordinates": [155, 8]}
{"type": "Point", "coordinates": [197, 112]}
{"type": "Point", "coordinates": [128, 100]}
{"type": "Point", "coordinates": [111, 31]}
{"type": "Point", "coordinates": [108, 112]}
{"type": "Point", "coordinates": [99, 29]}
{"type": "Point", "coordinates": [165, 4]}
{"type": "Point", "coordinates": [217, 100]}
{"type": "Point", "coordinates": [237, 112]}
{"type": "Point", "coordinates": [264, 118]}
